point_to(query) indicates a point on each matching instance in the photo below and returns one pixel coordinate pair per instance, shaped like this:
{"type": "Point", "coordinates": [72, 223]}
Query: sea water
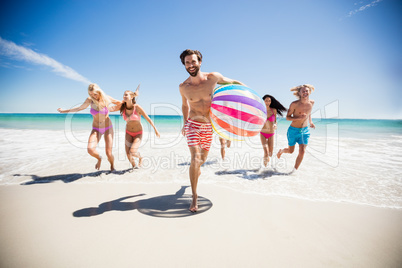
{"type": "Point", "coordinates": [347, 160]}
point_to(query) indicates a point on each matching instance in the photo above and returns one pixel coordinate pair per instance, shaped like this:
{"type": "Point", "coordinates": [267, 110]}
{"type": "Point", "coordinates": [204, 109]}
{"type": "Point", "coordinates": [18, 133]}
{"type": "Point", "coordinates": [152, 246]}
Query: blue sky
{"type": "Point", "coordinates": [349, 50]}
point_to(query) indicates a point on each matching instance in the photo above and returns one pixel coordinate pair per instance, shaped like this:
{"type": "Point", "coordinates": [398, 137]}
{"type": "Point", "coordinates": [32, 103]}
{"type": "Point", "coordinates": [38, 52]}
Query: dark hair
{"type": "Point", "coordinates": [187, 52]}
{"type": "Point", "coordinates": [124, 105]}
{"type": "Point", "coordinates": [275, 104]}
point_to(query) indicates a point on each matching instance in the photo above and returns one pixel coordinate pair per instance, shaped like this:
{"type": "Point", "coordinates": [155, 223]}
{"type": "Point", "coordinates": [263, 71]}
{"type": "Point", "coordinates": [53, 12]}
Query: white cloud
{"type": "Point", "coordinates": [353, 12]}
{"type": "Point", "coordinates": [10, 49]}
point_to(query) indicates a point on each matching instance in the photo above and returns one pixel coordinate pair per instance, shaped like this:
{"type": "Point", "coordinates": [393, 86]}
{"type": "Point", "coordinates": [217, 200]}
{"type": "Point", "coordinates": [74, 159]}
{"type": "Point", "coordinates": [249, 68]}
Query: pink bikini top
{"type": "Point", "coordinates": [272, 117]}
{"type": "Point", "coordinates": [133, 117]}
{"type": "Point", "coordinates": [104, 111]}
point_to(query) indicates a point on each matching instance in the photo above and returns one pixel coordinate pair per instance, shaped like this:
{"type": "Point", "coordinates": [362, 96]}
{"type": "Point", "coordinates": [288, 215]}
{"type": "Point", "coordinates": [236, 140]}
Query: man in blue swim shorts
{"type": "Point", "coordinates": [298, 135]}
{"type": "Point", "coordinates": [300, 114]}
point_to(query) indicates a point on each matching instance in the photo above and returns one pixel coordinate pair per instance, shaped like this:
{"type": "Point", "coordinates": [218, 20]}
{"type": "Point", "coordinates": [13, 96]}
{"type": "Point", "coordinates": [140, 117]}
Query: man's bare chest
{"type": "Point", "coordinates": [198, 94]}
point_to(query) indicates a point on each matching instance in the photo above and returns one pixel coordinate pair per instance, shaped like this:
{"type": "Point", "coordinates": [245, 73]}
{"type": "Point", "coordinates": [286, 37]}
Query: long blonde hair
{"type": "Point", "coordinates": [103, 101]}
{"type": "Point", "coordinates": [298, 88]}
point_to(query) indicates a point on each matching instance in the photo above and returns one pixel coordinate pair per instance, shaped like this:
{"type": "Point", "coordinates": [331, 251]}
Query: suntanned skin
{"type": "Point", "coordinates": [99, 121]}
{"type": "Point", "coordinates": [224, 143]}
{"type": "Point", "coordinates": [269, 127]}
{"type": "Point", "coordinates": [300, 114]}
{"type": "Point", "coordinates": [196, 92]}
{"type": "Point", "coordinates": [133, 143]}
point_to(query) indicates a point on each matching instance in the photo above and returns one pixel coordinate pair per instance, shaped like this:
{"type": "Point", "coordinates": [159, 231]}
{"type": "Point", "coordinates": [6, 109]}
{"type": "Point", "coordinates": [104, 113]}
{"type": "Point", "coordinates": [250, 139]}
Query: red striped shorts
{"type": "Point", "coordinates": [198, 134]}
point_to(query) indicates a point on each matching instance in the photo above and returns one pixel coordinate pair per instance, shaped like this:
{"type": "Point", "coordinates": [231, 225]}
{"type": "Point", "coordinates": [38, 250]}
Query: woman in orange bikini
{"type": "Point", "coordinates": [267, 133]}
{"type": "Point", "coordinates": [101, 125]}
{"type": "Point", "coordinates": [132, 113]}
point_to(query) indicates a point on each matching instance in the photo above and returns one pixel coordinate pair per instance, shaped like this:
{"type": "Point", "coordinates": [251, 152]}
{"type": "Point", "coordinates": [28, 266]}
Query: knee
{"type": "Point", "coordinates": [291, 150]}
{"type": "Point", "coordinates": [196, 160]}
{"type": "Point", "coordinates": [91, 150]}
{"type": "Point", "coordinates": [109, 154]}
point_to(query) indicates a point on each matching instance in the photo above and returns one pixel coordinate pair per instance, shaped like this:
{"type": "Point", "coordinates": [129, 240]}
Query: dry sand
{"type": "Point", "coordinates": [148, 225]}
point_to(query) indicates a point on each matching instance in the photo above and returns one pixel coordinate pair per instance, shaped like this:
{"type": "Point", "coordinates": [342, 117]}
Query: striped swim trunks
{"type": "Point", "coordinates": [198, 134]}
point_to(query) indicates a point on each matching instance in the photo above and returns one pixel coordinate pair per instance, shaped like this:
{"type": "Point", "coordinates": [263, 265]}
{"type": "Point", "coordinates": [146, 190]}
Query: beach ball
{"type": "Point", "coordinates": [237, 112]}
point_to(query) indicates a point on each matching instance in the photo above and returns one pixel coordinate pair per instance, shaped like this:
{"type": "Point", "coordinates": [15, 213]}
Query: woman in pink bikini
{"type": "Point", "coordinates": [132, 113]}
{"type": "Point", "coordinates": [101, 125]}
{"type": "Point", "coordinates": [267, 133]}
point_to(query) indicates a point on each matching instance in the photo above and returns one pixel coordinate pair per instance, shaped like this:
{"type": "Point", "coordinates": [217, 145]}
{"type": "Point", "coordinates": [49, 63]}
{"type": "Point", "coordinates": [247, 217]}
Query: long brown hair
{"type": "Point", "coordinates": [124, 105]}
{"type": "Point", "coordinates": [275, 104]}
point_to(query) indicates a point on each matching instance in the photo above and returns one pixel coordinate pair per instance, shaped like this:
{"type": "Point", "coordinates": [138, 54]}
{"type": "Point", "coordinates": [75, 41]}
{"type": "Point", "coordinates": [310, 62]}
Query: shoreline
{"type": "Point", "coordinates": [57, 113]}
{"type": "Point", "coordinates": [141, 224]}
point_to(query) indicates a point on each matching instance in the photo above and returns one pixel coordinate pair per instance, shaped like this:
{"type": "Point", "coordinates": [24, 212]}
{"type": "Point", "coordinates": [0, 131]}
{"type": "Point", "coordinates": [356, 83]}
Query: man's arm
{"type": "Point", "coordinates": [184, 105]}
{"type": "Point", "coordinates": [224, 80]}
{"type": "Point", "coordinates": [291, 116]}
{"type": "Point", "coordinates": [184, 108]}
{"type": "Point", "coordinates": [309, 117]}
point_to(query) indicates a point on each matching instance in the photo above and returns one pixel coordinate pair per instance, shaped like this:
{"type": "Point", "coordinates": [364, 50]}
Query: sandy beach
{"type": "Point", "coordinates": [343, 208]}
{"type": "Point", "coordinates": [148, 225]}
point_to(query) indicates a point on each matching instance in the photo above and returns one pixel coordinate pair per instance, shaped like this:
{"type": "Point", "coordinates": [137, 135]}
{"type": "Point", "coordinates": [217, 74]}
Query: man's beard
{"type": "Point", "coordinates": [197, 69]}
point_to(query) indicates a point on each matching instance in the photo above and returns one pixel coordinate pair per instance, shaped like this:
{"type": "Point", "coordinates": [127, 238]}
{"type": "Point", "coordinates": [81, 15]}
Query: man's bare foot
{"type": "Point", "coordinates": [266, 160]}
{"type": "Point", "coordinates": [194, 205]}
{"type": "Point", "coordinates": [139, 161]}
{"type": "Point", "coordinates": [279, 153]}
{"type": "Point", "coordinates": [98, 164]}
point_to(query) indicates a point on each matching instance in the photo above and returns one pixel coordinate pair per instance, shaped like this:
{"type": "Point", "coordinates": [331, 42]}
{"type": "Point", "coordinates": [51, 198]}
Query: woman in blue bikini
{"type": "Point", "coordinates": [101, 125]}
{"type": "Point", "coordinates": [267, 133]}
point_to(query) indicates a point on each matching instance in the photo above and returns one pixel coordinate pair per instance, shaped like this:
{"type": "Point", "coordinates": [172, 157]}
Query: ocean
{"type": "Point", "coordinates": [348, 160]}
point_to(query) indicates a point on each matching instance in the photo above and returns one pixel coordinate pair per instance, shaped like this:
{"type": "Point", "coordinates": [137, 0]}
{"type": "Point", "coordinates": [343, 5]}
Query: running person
{"type": "Point", "coordinates": [196, 92]}
{"type": "Point", "coordinates": [300, 114]}
{"type": "Point", "coordinates": [131, 113]}
{"type": "Point", "coordinates": [267, 133]}
{"type": "Point", "coordinates": [101, 124]}
{"type": "Point", "coordinates": [224, 143]}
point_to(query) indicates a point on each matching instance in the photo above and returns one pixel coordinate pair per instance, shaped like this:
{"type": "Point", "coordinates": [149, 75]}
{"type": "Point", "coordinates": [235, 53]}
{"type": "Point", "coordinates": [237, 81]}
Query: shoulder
{"type": "Point", "coordinates": [312, 102]}
{"type": "Point", "coordinates": [138, 107]}
{"type": "Point", "coordinates": [294, 103]}
{"type": "Point", "coordinates": [184, 84]}
{"type": "Point", "coordinates": [88, 102]}
{"type": "Point", "coordinates": [182, 88]}
{"type": "Point", "coordinates": [212, 75]}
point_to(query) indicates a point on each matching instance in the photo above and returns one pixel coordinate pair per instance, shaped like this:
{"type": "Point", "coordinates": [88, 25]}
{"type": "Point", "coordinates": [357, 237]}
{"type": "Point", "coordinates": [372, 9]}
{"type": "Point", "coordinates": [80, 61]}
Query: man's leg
{"type": "Point", "coordinates": [194, 172]}
{"type": "Point", "coordinates": [299, 159]}
{"type": "Point", "coordinates": [288, 150]}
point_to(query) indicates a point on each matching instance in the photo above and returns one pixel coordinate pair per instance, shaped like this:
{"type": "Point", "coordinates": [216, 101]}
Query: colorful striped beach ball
{"type": "Point", "coordinates": [237, 112]}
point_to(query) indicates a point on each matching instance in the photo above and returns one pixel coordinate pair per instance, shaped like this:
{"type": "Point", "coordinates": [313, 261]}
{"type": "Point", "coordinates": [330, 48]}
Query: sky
{"type": "Point", "coordinates": [349, 50]}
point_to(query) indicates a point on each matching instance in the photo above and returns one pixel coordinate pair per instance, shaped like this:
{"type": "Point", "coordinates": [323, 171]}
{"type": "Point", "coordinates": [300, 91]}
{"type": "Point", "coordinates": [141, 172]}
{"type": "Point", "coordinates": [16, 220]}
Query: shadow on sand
{"type": "Point", "coordinates": [67, 178]}
{"type": "Point", "coordinates": [207, 163]}
{"type": "Point", "coordinates": [253, 174]}
{"type": "Point", "coordinates": [166, 206]}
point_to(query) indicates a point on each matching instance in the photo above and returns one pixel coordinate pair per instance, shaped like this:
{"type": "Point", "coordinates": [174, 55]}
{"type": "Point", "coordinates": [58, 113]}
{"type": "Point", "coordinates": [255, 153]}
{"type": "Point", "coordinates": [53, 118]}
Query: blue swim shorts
{"type": "Point", "coordinates": [299, 135]}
